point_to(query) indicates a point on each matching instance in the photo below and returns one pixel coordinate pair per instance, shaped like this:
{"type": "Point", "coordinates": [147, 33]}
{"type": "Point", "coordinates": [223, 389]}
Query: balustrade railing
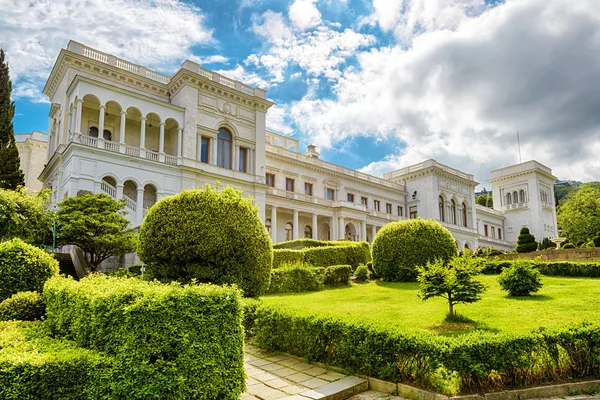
{"type": "Point", "coordinates": [171, 160]}
{"type": "Point", "coordinates": [130, 203]}
{"type": "Point", "coordinates": [132, 151]}
{"type": "Point", "coordinates": [88, 140]}
{"type": "Point", "coordinates": [152, 155]}
{"type": "Point", "coordinates": [111, 146]}
{"type": "Point", "coordinates": [109, 189]}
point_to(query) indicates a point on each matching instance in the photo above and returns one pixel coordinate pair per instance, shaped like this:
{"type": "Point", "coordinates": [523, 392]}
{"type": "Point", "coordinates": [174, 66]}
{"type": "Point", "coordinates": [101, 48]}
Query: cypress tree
{"type": "Point", "coordinates": [11, 176]}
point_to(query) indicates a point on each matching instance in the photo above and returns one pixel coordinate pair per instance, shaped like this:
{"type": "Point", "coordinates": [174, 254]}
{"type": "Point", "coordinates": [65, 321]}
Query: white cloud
{"type": "Point", "coordinates": [459, 96]}
{"type": "Point", "coordinates": [277, 119]}
{"type": "Point", "coordinates": [304, 14]}
{"type": "Point", "coordinates": [204, 60]}
{"type": "Point", "coordinates": [156, 33]}
{"type": "Point", "coordinates": [271, 26]}
{"type": "Point", "coordinates": [249, 78]}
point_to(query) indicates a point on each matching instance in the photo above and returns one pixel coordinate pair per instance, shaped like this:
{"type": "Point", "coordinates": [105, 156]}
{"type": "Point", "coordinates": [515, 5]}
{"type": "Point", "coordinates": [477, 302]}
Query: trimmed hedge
{"type": "Point", "coordinates": [337, 275]}
{"type": "Point", "coordinates": [551, 268]}
{"type": "Point", "coordinates": [296, 278]}
{"type": "Point", "coordinates": [168, 341]}
{"type": "Point", "coordinates": [209, 235]}
{"type": "Point", "coordinates": [34, 365]}
{"type": "Point", "coordinates": [24, 268]}
{"type": "Point", "coordinates": [344, 252]}
{"type": "Point", "coordinates": [400, 247]}
{"type": "Point", "coordinates": [23, 306]}
{"type": "Point", "coordinates": [521, 279]}
{"type": "Point", "coordinates": [480, 361]}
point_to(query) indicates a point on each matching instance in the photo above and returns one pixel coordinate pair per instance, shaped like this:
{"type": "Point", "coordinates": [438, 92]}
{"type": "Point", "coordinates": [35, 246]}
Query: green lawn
{"type": "Point", "coordinates": [560, 301]}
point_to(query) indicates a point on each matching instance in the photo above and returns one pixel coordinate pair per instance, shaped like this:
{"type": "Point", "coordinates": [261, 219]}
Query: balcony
{"type": "Point", "coordinates": [315, 200]}
{"type": "Point", "coordinates": [459, 228]}
{"type": "Point", "coordinates": [515, 206]}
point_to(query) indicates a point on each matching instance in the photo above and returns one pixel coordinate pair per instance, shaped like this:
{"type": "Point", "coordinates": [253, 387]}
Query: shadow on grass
{"type": "Point", "coordinates": [459, 325]}
{"type": "Point", "coordinates": [399, 285]}
{"type": "Point", "coordinates": [533, 297]}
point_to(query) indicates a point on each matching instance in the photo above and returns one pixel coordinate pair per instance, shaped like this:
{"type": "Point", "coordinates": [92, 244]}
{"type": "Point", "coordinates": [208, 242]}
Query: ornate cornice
{"type": "Point", "coordinates": [434, 171]}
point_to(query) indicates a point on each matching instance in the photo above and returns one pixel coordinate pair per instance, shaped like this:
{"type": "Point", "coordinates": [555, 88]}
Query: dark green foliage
{"type": "Point", "coordinates": [337, 275]}
{"type": "Point", "coordinates": [307, 243]}
{"type": "Point", "coordinates": [95, 223]}
{"type": "Point", "coordinates": [546, 244]}
{"type": "Point", "coordinates": [296, 278]}
{"type": "Point", "coordinates": [33, 365]}
{"type": "Point", "coordinates": [11, 176]}
{"type": "Point", "coordinates": [211, 236]}
{"type": "Point", "coordinates": [250, 306]}
{"type": "Point", "coordinates": [521, 279]}
{"type": "Point", "coordinates": [579, 215]}
{"type": "Point", "coordinates": [596, 241]}
{"type": "Point", "coordinates": [569, 246]}
{"type": "Point", "coordinates": [168, 341]}
{"type": "Point", "coordinates": [551, 268]}
{"type": "Point", "coordinates": [343, 252]}
{"type": "Point", "coordinates": [23, 306]}
{"type": "Point", "coordinates": [485, 199]}
{"type": "Point", "coordinates": [362, 273]}
{"type": "Point", "coordinates": [526, 241]}
{"type": "Point", "coordinates": [23, 268]}
{"type": "Point", "coordinates": [487, 252]}
{"type": "Point", "coordinates": [400, 247]}
{"type": "Point", "coordinates": [24, 215]}
{"type": "Point", "coordinates": [454, 281]}
{"type": "Point", "coordinates": [372, 271]}
{"type": "Point", "coordinates": [481, 361]}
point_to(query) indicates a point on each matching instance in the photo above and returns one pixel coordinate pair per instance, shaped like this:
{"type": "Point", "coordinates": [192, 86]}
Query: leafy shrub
{"type": "Point", "coordinates": [345, 252]}
{"type": "Point", "coordinates": [23, 306]}
{"type": "Point", "coordinates": [372, 272]}
{"type": "Point", "coordinates": [521, 279]}
{"type": "Point", "coordinates": [307, 243]}
{"type": "Point", "coordinates": [337, 275]}
{"type": "Point", "coordinates": [569, 246]}
{"type": "Point", "coordinates": [296, 278]}
{"type": "Point", "coordinates": [34, 365]}
{"type": "Point", "coordinates": [526, 241]}
{"type": "Point", "coordinates": [362, 273]}
{"type": "Point", "coordinates": [480, 361]}
{"type": "Point", "coordinates": [23, 268]}
{"type": "Point", "coordinates": [211, 236]}
{"type": "Point", "coordinates": [286, 256]}
{"type": "Point", "coordinates": [169, 341]}
{"type": "Point", "coordinates": [24, 215]}
{"type": "Point", "coordinates": [250, 306]}
{"type": "Point", "coordinates": [400, 247]}
{"type": "Point", "coordinates": [596, 241]}
{"type": "Point", "coordinates": [550, 268]}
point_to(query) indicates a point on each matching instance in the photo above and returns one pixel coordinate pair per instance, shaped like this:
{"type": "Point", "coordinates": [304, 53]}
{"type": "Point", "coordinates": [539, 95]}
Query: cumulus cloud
{"type": "Point", "coordinates": [460, 95]}
{"type": "Point", "coordinates": [156, 33]}
{"type": "Point", "coordinates": [277, 119]}
{"type": "Point", "coordinates": [239, 73]}
{"type": "Point", "coordinates": [304, 14]}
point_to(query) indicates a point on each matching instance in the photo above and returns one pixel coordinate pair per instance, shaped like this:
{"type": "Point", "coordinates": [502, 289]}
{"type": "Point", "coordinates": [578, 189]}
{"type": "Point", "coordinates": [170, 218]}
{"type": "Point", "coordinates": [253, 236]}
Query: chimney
{"type": "Point", "coordinates": [311, 151]}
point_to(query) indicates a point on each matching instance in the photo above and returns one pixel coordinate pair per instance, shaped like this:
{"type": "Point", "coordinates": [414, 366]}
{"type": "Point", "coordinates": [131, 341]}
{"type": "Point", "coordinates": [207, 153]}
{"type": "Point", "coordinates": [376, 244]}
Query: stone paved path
{"type": "Point", "coordinates": [276, 377]}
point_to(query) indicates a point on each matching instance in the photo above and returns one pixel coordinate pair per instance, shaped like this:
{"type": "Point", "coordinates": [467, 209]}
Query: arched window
{"type": "Point", "coordinates": [107, 135]}
{"type": "Point", "coordinates": [289, 228]}
{"type": "Point", "coordinates": [453, 211]}
{"type": "Point", "coordinates": [521, 196]}
{"type": "Point", "coordinates": [93, 131]}
{"type": "Point", "coordinates": [515, 197]}
{"type": "Point", "coordinates": [467, 246]}
{"type": "Point", "coordinates": [224, 149]}
{"type": "Point", "coordinates": [464, 215]}
{"type": "Point", "coordinates": [268, 225]}
{"type": "Point", "coordinates": [442, 212]}
{"type": "Point", "coordinates": [508, 198]}
{"type": "Point", "coordinates": [308, 232]}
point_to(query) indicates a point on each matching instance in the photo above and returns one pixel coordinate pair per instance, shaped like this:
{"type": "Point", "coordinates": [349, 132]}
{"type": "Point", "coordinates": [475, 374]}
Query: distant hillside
{"type": "Point", "coordinates": [563, 188]}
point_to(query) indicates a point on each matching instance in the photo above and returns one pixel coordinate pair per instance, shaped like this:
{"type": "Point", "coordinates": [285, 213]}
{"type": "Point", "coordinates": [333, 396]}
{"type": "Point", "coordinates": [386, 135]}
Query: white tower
{"type": "Point", "coordinates": [525, 194]}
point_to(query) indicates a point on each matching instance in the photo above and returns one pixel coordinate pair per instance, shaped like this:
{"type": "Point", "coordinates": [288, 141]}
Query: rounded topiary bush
{"type": "Point", "coordinates": [526, 241]}
{"type": "Point", "coordinates": [210, 236]}
{"type": "Point", "coordinates": [400, 247]}
{"type": "Point", "coordinates": [362, 273]}
{"type": "Point", "coordinates": [521, 279]}
{"type": "Point", "coordinates": [23, 306]}
{"type": "Point", "coordinates": [24, 268]}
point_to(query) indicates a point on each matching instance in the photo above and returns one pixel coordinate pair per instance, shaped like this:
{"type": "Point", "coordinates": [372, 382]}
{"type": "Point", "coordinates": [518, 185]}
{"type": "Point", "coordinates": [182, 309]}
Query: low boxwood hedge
{"type": "Point", "coordinates": [296, 278]}
{"type": "Point", "coordinates": [480, 361]}
{"type": "Point", "coordinates": [23, 306]}
{"type": "Point", "coordinates": [550, 268]}
{"type": "Point", "coordinates": [337, 275]}
{"type": "Point", "coordinates": [342, 252]}
{"type": "Point", "coordinates": [168, 341]}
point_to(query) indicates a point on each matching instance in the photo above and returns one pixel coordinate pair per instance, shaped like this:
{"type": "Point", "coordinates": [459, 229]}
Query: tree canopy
{"type": "Point", "coordinates": [24, 215]}
{"type": "Point", "coordinates": [11, 176]}
{"type": "Point", "coordinates": [485, 199]}
{"type": "Point", "coordinates": [579, 215]}
{"type": "Point", "coordinates": [96, 224]}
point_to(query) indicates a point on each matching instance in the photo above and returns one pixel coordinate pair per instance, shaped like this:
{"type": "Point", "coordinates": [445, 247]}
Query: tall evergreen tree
{"type": "Point", "coordinates": [11, 176]}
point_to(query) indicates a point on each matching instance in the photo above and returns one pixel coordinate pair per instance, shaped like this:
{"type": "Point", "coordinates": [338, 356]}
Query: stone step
{"type": "Point", "coordinates": [338, 390]}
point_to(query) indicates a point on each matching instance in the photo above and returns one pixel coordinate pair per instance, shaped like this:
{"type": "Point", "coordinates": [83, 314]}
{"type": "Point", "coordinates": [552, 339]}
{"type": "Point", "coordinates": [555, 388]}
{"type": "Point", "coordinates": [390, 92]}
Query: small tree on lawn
{"type": "Point", "coordinates": [95, 224]}
{"type": "Point", "coordinates": [454, 281]}
{"type": "Point", "coordinates": [526, 241]}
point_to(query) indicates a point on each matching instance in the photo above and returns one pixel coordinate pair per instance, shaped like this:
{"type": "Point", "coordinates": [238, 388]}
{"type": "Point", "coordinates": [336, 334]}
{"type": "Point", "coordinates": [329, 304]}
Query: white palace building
{"type": "Point", "coordinates": [121, 129]}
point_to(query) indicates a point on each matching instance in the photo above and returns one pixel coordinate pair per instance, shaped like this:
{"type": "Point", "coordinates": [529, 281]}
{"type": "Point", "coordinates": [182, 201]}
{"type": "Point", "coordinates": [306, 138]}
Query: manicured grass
{"type": "Point", "coordinates": [561, 301]}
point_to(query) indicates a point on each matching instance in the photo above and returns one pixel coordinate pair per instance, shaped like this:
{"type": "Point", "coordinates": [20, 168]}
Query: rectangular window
{"type": "Point", "coordinates": [485, 230]}
{"type": "Point", "coordinates": [289, 184]}
{"type": "Point", "coordinates": [499, 233]}
{"type": "Point", "coordinates": [330, 194]}
{"type": "Point", "coordinates": [493, 232]}
{"type": "Point", "coordinates": [413, 212]}
{"type": "Point", "coordinates": [376, 205]}
{"type": "Point", "coordinates": [400, 211]}
{"type": "Point", "coordinates": [364, 201]}
{"type": "Point", "coordinates": [350, 197]}
{"type": "Point", "coordinates": [243, 159]}
{"type": "Point", "coordinates": [270, 180]}
{"type": "Point", "coordinates": [388, 208]}
{"type": "Point", "coordinates": [204, 150]}
{"type": "Point", "coordinates": [308, 189]}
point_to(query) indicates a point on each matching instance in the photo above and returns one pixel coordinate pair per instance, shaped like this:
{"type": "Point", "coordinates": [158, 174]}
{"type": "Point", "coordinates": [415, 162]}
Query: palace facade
{"type": "Point", "coordinates": [122, 129]}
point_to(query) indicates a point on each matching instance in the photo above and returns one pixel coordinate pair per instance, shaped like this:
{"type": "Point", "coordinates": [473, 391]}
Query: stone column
{"type": "Point", "coordinates": [143, 133]}
{"type": "Point", "coordinates": [363, 230]}
{"type": "Point", "coordinates": [236, 158]}
{"type": "Point", "coordinates": [119, 191]}
{"type": "Point", "coordinates": [373, 232]}
{"type": "Point", "coordinates": [295, 228]}
{"type": "Point", "coordinates": [69, 127]}
{"type": "Point", "coordinates": [213, 150]}
{"type": "Point", "coordinates": [274, 224]}
{"type": "Point", "coordinates": [79, 105]}
{"type": "Point", "coordinates": [122, 131]}
{"type": "Point", "coordinates": [101, 126]}
{"type": "Point", "coordinates": [342, 229]}
{"type": "Point", "coordinates": [331, 228]}
{"type": "Point", "coordinates": [179, 142]}
{"type": "Point", "coordinates": [161, 143]}
{"type": "Point", "coordinates": [250, 169]}
{"type": "Point", "coordinates": [315, 227]}
{"type": "Point", "coordinates": [199, 149]}
{"type": "Point", "coordinates": [140, 206]}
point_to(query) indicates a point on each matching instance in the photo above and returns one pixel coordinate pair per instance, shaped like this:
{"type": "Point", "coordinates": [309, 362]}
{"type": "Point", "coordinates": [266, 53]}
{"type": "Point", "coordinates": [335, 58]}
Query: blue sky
{"type": "Point", "coordinates": [376, 84]}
